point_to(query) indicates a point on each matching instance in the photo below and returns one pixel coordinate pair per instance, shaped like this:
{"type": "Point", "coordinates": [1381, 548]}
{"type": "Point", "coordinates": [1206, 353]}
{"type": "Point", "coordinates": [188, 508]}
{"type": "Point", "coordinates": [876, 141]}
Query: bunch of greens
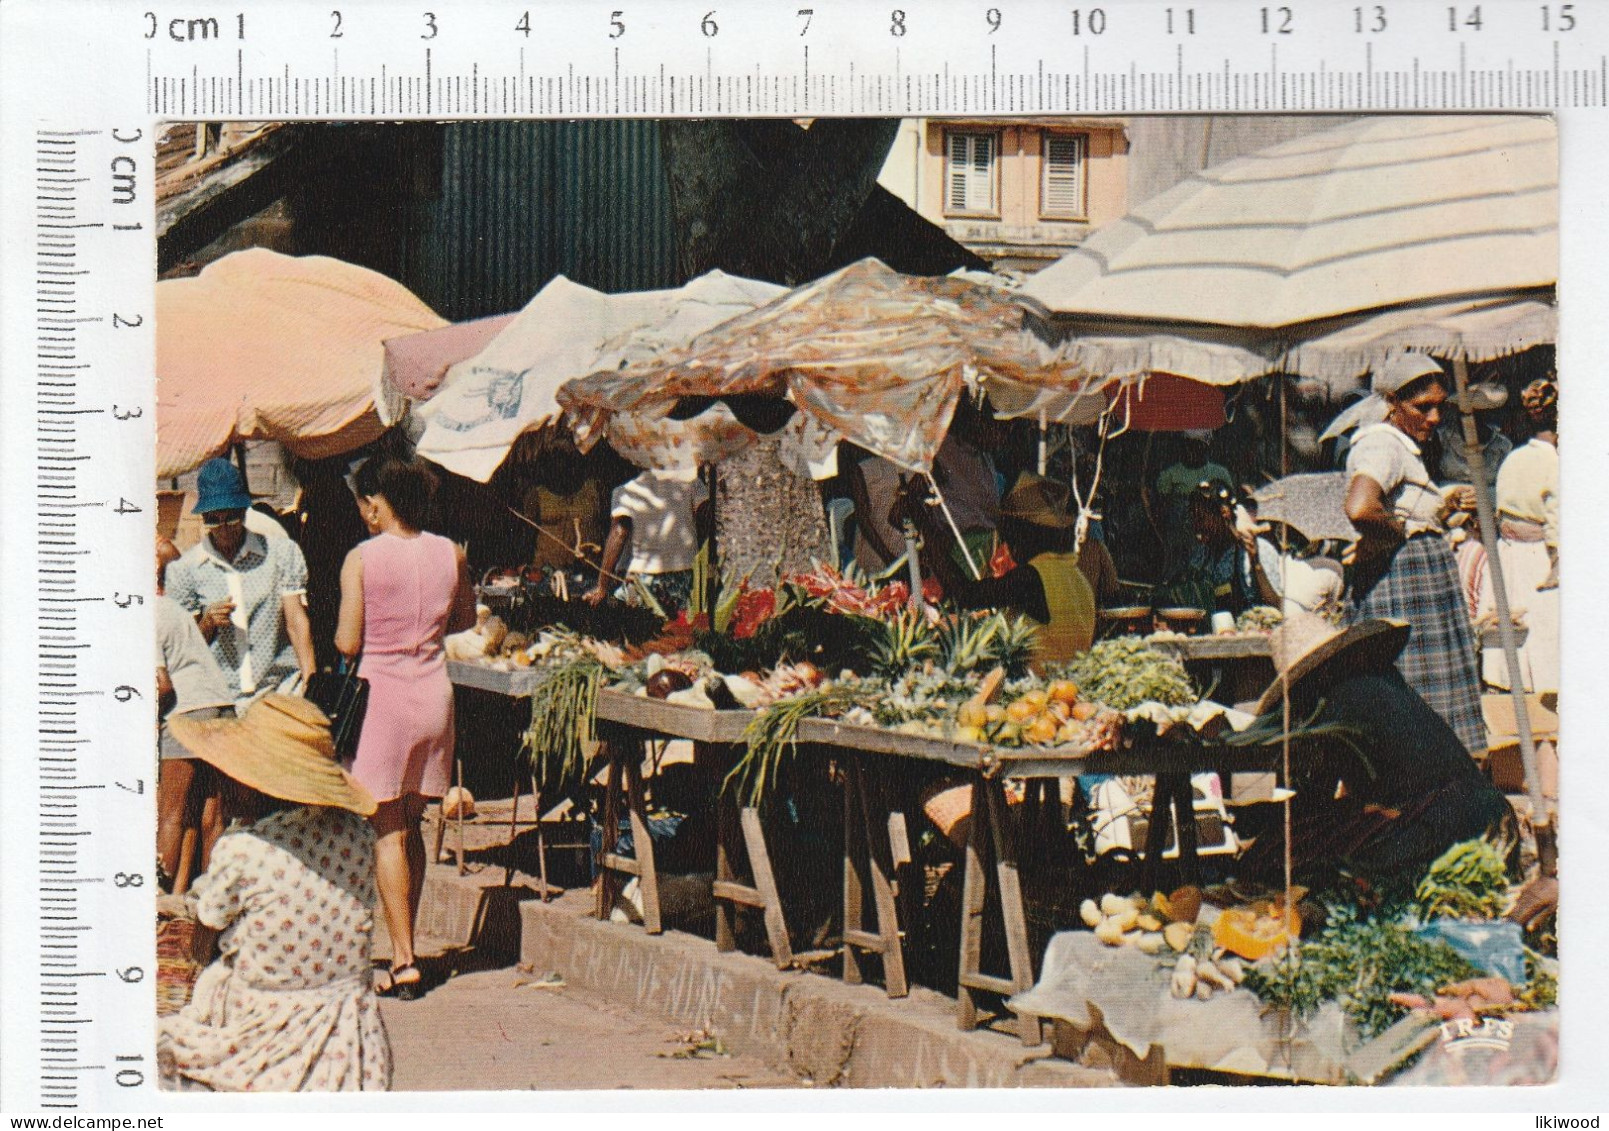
{"type": "Point", "coordinates": [559, 740]}
{"type": "Point", "coordinates": [1468, 881]}
{"type": "Point", "coordinates": [1360, 964]}
{"type": "Point", "coordinates": [771, 741]}
{"type": "Point", "coordinates": [1125, 672]}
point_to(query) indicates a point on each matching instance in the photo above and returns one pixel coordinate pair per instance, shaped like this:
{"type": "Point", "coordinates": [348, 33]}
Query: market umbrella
{"type": "Point", "coordinates": [1341, 352]}
{"type": "Point", "coordinates": [1380, 211]}
{"type": "Point", "coordinates": [868, 354]}
{"type": "Point", "coordinates": [509, 387]}
{"type": "Point", "coordinates": [1312, 503]}
{"type": "Point", "coordinates": [267, 346]}
{"type": "Point", "coordinates": [417, 364]}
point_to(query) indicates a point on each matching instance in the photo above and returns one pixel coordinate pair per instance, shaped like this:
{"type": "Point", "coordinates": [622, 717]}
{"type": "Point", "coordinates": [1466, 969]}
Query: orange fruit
{"type": "Point", "coordinates": [1041, 732]}
{"type": "Point", "coordinates": [971, 714]}
{"type": "Point", "coordinates": [1085, 711]}
{"type": "Point", "coordinates": [1063, 691]}
{"type": "Point", "coordinates": [1022, 711]}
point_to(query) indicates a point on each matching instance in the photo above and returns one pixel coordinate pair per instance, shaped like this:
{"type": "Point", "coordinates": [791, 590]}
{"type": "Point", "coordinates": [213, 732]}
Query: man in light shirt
{"type": "Point", "coordinates": [654, 516]}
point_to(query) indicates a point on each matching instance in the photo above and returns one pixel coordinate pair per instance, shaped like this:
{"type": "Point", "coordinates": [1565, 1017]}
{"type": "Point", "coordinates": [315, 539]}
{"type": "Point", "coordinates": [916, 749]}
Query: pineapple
{"type": "Point", "coordinates": [1015, 645]}
{"type": "Point", "coordinates": [970, 642]}
{"type": "Point", "coordinates": [967, 641]}
{"type": "Point", "coordinates": [906, 642]}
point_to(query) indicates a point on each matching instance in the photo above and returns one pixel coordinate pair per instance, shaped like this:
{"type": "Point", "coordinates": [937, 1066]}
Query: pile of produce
{"type": "Point", "coordinates": [1125, 672]}
{"type": "Point", "coordinates": [1262, 618]}
{"type": "Point", "coordinates": [1414, 953]}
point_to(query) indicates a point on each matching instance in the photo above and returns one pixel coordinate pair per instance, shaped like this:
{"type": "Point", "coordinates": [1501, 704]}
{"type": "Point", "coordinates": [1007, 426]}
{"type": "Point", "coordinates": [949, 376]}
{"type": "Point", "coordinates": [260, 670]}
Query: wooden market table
{"type": "Point", "coordinates": [875, 839]}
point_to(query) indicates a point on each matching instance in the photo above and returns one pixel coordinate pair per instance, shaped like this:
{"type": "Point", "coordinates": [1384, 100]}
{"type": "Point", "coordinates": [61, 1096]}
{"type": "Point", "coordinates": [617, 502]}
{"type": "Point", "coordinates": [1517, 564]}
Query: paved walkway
{"type": "Point", "coordinates": [505, 1030]}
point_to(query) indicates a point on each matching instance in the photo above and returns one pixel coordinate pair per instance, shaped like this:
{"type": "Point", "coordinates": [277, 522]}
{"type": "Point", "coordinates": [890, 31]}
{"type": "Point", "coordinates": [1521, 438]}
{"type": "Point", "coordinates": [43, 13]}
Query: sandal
{"type": "Point", "coordinates": [409, 989]}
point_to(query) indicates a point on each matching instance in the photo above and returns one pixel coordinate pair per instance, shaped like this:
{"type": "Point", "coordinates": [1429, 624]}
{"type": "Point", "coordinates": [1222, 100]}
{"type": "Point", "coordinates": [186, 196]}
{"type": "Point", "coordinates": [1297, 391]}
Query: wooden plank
{"type": "Point", "coordinates": [879, 857]}
{"type": "Point", "coordinates": [990, 983]}
{"type": "Point", "coordinates": [877, 740]}
{"type": "Point", "coordinates": [607, 879]}
{"type": "Point", "coordinates": [517, 684]}
{"type": "Point", "coordinates": [672, 719]}
{"type": "Point", "coordinates": [642, 843]}
{"type": "Point", "coordinates": [1391, 1048]}
{"type": "Point", "coordinates": [776, 924]}
{"type": "Point", "coordinates": [738, 893]}
{"type": "Point", "coordinates": [854, 854]}
{"type": "Point", "coordinates": [973, 895]}
{"type": "Point", "coordinates": [1249, 646]}
{"type": "Point", "coordinates": [1016, 921]}
{"type": "Point", "coordinates": [618, 863]}
{"type": "Point", "coordinates": [866, 940]}
{"type": "Point", "coordinates": [725, 877]}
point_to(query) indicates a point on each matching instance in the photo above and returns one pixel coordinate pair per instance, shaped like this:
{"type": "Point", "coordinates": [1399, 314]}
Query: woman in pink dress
{"type": "Point", "coordinates": [402, 592]}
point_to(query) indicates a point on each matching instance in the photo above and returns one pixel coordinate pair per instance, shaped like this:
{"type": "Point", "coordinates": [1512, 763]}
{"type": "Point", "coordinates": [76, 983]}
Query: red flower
{"type": "Point", "coordinates": [1002, 563]}
{"type": "Point", "coordinates": [932, 591]}
{"type": "Point", "coordinates": [754, 608]}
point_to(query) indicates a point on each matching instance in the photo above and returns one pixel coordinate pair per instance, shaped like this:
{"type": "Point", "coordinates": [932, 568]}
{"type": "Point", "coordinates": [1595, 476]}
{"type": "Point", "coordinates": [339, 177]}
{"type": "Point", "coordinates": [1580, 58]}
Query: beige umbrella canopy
{"type": "Point", "coordinates": [1377, 212]}
{"type": "Point", "coordinates": [496, 390]}
{"type": "Point", "coordinates": [268, 346]}
{"type": "Point", "coordinates": [869, 354]}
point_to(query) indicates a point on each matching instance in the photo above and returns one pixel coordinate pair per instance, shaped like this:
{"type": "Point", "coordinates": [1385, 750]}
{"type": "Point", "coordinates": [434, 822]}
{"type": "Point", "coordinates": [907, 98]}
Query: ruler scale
{"type": "Point", "coordinates": [680, 58]}
{"type": "Point", "coordinates": [79, 224]}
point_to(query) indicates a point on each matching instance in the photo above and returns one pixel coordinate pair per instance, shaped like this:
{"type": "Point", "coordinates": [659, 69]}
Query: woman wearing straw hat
{"type": "Point", "coordinates": [289, 1005]}
{"type": "Point", "coordinates": [1404, 569]}
{"type": "Point", "coordinates": [1383, 785]}
{"type": "Point", "coordinates": [1048, 588]}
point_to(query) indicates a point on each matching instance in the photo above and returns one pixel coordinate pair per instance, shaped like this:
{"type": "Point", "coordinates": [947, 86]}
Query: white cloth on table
{"type": "Point", "coordinates": [288, 1005]}
{"type": "Point", "coordinates": [660, 507]}
{"type": "Point", "coordinates": [1389, 456]}
{"type": "Point", "coordinates": [1088, 984]}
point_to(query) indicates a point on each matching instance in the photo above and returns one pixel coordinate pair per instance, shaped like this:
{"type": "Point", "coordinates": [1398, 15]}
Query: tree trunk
{"type": "Point", "coordinates": [769, 519]}
{"type": "Point", "coordinates": [769, 199]}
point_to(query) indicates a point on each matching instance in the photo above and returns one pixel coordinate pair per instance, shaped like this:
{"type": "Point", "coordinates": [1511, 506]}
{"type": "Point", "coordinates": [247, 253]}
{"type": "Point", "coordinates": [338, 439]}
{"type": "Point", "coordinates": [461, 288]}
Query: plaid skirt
{"type": "Point", "coordinates": [1420, 585]}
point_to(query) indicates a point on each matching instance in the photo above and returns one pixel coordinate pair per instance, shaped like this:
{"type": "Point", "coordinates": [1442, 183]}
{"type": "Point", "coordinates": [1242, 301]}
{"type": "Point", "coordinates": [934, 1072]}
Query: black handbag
{"type": "Point", "coordinates": [343, 696]}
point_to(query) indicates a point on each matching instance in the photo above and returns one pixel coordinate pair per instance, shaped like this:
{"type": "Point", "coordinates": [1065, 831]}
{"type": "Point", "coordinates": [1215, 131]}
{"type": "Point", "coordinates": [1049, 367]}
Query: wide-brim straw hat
{"type": "Point", "coordinates": [1039, 501]}
{"type": "Point", "coordinates": [282, 747]}
{"type": "Point", "coordinates": [1307, 648]}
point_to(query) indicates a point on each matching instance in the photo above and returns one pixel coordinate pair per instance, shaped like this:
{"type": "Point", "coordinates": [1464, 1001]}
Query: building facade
{"type": "Point", "coordinates": [1019, 192]}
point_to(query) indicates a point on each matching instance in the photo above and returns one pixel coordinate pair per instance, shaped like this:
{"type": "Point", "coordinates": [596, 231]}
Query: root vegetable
{"type": "Point", "coordinates": [1110, 932]}
{"type": "Point", "coordinates": [1178, 935]}
{"type": "Point", "coordinates": [1113, 904]}
{"type": "Point", "coordinates": [1232, 968]}
{"type": "Point", "coordinates": [1203, 989]}
{"type": "Point", "coordinates": [1208, 972]}
{"type": "Point", "coordinates": [1149, 922]}
{"type": "Point", "coordinates": [1151, 942]}
{"type": "Point", "coordinates": [1128, 918]}
{"type": "Point", "coordinates": [1184, 977]}
{"type": "Point", "coordinates": [1090, 913]}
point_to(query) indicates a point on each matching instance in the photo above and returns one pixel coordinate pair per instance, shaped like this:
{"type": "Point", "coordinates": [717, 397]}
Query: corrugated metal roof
{"type": "Point", "coordinates": [521, 202]}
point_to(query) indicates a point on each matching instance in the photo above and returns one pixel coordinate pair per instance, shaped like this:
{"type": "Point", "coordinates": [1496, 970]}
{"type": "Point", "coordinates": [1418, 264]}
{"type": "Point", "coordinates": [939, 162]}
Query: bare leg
{"type": "Point", "coordinates": [415, 845]}
{"type": "Point", "coordinates": [392, 877]}
{"type": "Point", "coordinates": [174, 778]}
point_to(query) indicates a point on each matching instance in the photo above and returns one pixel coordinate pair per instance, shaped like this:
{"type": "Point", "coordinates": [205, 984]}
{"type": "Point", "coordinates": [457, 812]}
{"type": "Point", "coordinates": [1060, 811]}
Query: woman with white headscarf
{"type": "Point", "coordinates": [1528, 543]}
{"type": "Point", "coordinates": [1404, 569]}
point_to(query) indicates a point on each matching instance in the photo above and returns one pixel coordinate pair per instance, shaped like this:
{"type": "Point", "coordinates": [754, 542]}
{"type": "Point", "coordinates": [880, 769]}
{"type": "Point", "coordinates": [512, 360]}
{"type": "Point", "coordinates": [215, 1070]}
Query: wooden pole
{"type": "Point", "coordinates": [1541, 823]}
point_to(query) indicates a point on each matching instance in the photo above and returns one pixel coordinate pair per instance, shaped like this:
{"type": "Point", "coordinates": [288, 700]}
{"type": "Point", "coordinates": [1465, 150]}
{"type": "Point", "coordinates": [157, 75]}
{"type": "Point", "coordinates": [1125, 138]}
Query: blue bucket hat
{"type": "Point", "coordinates": [220, 487]}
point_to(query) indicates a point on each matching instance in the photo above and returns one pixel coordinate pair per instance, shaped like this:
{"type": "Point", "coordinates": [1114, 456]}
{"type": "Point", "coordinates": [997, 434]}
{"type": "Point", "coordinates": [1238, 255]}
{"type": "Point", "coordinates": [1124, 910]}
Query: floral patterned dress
{"type": "Point", "coordinates": [289, 1004]}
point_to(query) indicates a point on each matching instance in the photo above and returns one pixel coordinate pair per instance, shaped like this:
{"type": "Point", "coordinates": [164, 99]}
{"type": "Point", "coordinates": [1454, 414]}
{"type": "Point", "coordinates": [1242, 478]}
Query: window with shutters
{"type": "Point", "coordinates": [969, 172]}
{"type": "Point", "coordinates": [1061, 190]}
